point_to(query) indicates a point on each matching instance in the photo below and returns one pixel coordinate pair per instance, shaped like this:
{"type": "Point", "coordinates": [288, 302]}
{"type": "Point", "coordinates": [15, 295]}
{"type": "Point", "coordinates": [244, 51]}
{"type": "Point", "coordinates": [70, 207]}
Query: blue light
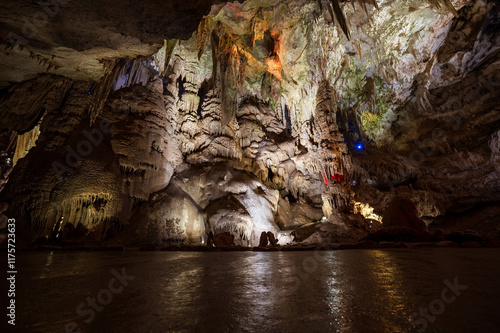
{"type": "Point", "coordinates": [359, 146]}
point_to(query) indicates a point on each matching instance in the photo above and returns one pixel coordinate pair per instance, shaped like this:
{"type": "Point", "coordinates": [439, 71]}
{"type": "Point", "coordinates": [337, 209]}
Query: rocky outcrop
{"type": "Point", "coordinates": [400, 234]}
{"type": "Point", "coordinates": [224, 239]}
{"type": "Point", "coordinates": [339, 228]}
{"type": "Point", "coordinates": [403, 213]}
{"type": "Point", "coordinates": [264, 240]}
{"type": "Point", "coordinates": [272, 239]}
{"type": "Point", "coordinates": [170, 217]}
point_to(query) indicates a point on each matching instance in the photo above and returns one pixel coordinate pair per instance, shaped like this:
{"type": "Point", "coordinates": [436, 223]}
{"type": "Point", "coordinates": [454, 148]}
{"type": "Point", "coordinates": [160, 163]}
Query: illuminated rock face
{"type": "Point", "coordinates": [204, 199]}
{"type": "Point", "coordinates": [266, 120]}
{"type": "Point", "coordinates": [171, 216]}
{"type": "Point", "coordinates": [96, 175]}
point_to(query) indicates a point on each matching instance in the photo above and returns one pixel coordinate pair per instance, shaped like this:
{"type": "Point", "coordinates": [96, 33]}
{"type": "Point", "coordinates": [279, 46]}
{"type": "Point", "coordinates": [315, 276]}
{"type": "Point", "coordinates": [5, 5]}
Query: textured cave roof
{"type": "Point", "coordinates": [71, 38]}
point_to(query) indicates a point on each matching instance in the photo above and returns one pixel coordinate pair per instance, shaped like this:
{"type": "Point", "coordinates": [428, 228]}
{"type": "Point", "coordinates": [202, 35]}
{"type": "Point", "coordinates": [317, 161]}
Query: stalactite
{"type": "Point", "coordinates": [111, 70]}
{"type": "Point", "coordinates": [120, 73]}
{"type": "Point", "coordinates": [439, 4]}
{"type": "Point", "coordinates": [340, 17]}
{"type": "Point", "coordinates": [26, 141]}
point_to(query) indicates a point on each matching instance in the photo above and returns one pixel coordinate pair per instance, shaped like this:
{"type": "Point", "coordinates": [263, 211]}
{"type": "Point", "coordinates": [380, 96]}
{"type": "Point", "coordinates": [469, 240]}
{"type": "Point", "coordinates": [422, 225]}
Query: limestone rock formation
{"type": "Point", "coordinates": [170, 217]}
{"type": "Point", "coordinates": [168, 122]}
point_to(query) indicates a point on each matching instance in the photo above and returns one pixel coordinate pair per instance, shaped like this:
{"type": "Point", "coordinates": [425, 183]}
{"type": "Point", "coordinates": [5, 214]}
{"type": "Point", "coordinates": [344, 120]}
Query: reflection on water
{"type": "Point", "coordinates": [389, 282]}
{"type": "Point", "coordinates": [342, 291]}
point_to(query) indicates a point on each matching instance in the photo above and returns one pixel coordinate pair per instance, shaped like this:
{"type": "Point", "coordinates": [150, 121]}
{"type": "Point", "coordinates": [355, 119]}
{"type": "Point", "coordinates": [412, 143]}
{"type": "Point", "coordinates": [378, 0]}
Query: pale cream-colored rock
{"type": "Point", "coordinates": [170, 217]}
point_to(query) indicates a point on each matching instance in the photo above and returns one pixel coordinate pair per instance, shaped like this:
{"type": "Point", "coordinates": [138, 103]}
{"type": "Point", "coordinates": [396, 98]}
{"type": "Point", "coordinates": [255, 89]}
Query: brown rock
{"type": "Point", "coordinates": [422, 244]}
{"type": "Point", "coordinates": [367, 244]}
{"type": "Point", "coordinates": [265, 249]}
{"type": "Point", "coordinates": [492, 243]}
{"type": "Point", "coordinates": [400, 234]}
{"type": "Point", "coordinates": [210, 240]}
{"type": "Point", "coordinates": [402, 212]}
{"type": "Point", "coordinates": [110, 248]}
{"type": "Point", "coordinates": [466, 236]}
{"type": "Point", "coordinates": [272, 239]}
{"type": "Point", "coordinates": [447, 244]}
{"type": "Point", "coordinates": [470, 244]}
{"type": "Point", "coordinates": [80, 231]}
{"type": "Point", "coordinates": [68, 231]}
{"type": "Point", "coordinates": [170, 248]}
{"type": "Point", "coordinates": [388, 245]}
{"type": "Point", "coordinates": [148, 248]}
{"type": "Point", "coordinates": [438, 236]}
{"type": "Point", "coordinates": [263, 239]}
{"type": "Point", "coordinates": [225, 239]}
{"type": "Point", "coordinates": [347, 246]}
{"type": "Point", "coordinates": [49, 248]}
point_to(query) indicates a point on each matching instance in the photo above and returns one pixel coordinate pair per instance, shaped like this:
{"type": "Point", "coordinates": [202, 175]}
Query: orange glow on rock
{"type": "Point", "coordinates": [273, 62]}
{"type": "Point", "coordinates": [274, 66]}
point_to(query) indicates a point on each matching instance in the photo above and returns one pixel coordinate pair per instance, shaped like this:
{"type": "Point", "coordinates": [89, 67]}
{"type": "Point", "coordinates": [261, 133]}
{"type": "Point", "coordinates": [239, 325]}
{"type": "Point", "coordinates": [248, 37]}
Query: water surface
{"type": "Point", "coordinates": [334, 291]}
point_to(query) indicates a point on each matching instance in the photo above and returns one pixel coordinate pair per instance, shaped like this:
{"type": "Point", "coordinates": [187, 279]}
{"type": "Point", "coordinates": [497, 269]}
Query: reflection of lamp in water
{"type": "Point", "coordinates": [202, 240]}
{"type": "Point", "coordinates": [59, 225]}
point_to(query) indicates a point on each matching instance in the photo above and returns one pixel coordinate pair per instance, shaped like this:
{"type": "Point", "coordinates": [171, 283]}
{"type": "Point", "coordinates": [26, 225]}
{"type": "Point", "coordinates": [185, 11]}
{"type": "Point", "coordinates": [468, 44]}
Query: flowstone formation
{"type": "Point", "coordinates": [305, 119]}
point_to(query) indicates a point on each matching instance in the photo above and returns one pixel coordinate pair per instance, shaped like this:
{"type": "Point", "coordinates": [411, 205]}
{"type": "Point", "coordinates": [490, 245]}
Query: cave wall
{"type": "Point", "coordinates": [442, 154]}
{"type": "Point", "coordinates": [95, 174]}
{"type": "Point", "coordinates": [98, 172]}
{"type": "Point", "coordinates": [242, 126]}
